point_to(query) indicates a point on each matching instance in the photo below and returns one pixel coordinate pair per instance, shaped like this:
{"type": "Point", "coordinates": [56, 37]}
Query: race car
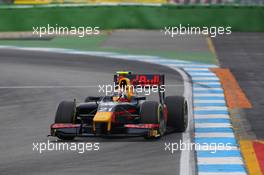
{"type": "Point", "coordinates": [123, 113]}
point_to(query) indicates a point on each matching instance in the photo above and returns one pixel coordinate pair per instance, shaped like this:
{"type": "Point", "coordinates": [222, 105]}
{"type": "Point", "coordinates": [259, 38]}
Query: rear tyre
{"type": "Point", "coordinates": [177, 113]}
{"type": "Point", "coordinates": [151, 113]}
{"type": "Point", "coordinates": [65, 114]}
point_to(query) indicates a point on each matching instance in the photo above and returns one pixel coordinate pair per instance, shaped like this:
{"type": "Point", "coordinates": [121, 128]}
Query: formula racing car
{"type": "Point", "coordinates": [124, 112]}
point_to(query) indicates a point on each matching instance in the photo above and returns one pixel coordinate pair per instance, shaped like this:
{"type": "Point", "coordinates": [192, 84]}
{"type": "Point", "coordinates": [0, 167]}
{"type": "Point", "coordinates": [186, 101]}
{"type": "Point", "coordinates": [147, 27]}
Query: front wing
{"type": "Point", "coordinates": [78, 130]}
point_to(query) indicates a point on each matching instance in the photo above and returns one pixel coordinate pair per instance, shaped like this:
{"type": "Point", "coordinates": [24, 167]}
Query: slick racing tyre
{"type": "Point", "coordinates": [177, 113]}
{"type": "Point", "coordinates": [152, 113]}
{"type": "Point", "coordinates": [65, 114]}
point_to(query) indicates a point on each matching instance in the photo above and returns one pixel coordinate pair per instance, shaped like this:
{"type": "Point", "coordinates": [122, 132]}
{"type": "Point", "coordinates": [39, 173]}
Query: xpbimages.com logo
{"type": "Point", "coordinates": [173, 147]}
{"type": "Point", "coordinates": [212, 31]}
{"type": "Point", "coordinates": [79, 31]}
{"type": "Point", "coordinates": [138, 89]}
{"type": "Point", "coordinates": [79, 147]}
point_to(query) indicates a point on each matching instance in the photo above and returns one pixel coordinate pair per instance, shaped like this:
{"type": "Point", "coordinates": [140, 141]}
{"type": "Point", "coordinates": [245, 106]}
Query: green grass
{"type": "Point", "coordinates": [93, 43]}
{"type": "Point", "coordinates": [85, 43]}
{"type": "Point", "coordinates": [204, 57]}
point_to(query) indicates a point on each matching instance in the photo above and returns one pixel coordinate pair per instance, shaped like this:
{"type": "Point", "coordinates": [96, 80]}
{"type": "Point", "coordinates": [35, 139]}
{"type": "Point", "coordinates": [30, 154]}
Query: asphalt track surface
{"type": "Point", "coordinates": [27, 112]}
{"type": "Point", "coordinates": [243, 54]}
{"type": "Point", "coordinates": [155, 40]}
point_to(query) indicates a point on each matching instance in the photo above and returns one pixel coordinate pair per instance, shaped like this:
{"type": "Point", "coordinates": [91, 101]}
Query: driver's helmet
{"type": "Point", "coordinates": [122, 95]}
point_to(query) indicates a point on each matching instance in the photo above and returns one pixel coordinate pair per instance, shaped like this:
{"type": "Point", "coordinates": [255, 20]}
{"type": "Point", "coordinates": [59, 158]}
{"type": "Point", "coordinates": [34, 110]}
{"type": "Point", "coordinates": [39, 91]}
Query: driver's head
{"type": "Point", "coordinates": [121, 96]}
{"type": "Point", "coordinates": [123, 85]}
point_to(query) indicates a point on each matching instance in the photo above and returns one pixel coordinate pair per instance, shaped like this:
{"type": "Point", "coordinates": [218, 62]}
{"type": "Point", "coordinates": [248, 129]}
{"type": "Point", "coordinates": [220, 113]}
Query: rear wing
{"type": "Point", "coordinates": [140, 79]}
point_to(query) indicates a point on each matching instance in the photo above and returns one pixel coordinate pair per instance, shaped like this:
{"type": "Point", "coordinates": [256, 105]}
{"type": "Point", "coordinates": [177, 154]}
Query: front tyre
{"type": "Point", "coordinates": [65, 114]}
{"type": "Point", "coordinates": [152, 113]}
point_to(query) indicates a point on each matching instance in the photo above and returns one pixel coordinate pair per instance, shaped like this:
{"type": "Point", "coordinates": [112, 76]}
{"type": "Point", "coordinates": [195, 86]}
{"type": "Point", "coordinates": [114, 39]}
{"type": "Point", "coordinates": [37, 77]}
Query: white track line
{"type": "Point", "coordinates": [186, 167]}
